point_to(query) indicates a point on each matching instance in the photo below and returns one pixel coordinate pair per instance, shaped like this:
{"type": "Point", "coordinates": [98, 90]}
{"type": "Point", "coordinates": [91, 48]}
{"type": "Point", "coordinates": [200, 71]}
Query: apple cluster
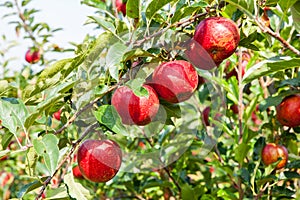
{"type": "Point", "coordinates": [173, 81]}
{"type": "Point", "coordinates": [215, 39]}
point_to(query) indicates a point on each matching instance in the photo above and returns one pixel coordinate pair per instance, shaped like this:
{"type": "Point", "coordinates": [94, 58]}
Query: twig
{"type": "Point", "coordinates": [285, 43]}
{"type": "Point", "coordinates": [67, 156]}
{"type": "Point", "coordinates": [79, 112]}
{"type": "Point", "coordinates": [162, 31]}
{"type": "Point", "coordinates": [24, 24]}
{"type": "Point", "coordinates": [165, 168]}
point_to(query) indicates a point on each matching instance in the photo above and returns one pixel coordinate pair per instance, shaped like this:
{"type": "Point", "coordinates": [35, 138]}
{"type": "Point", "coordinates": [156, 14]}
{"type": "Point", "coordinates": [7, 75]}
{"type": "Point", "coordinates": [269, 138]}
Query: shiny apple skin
{"type": "Point", "coordinates": [175, 81]}
{"type": "Point", "coordinates": [288, 111]}
{"type": "Point", "coordinates": [133, 109]}
{"type": "Point", "coordinates": [121, 6]}
{"type": "Point", "coordinates": [219, 36]}
{"type": "Point", "coordinates": [57, 114]}
{"type": "Point", "coordinates": [77, 173]}
{"type": "Point", "coordinates": [32, 56]}
{"type": "Point", "coordinates": [271, 154]}
{"type": "Point", "coordinates": [99, 160]}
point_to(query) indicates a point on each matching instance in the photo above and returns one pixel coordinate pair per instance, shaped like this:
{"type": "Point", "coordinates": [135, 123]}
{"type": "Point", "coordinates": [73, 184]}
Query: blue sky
{"type": "Point", "coordinates": [67, 14]}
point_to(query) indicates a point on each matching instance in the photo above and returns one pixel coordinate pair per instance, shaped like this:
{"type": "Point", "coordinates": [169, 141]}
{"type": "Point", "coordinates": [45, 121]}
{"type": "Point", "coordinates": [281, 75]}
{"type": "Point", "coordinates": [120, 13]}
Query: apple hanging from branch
{"type": "Point", "coordinates": [99, 160]}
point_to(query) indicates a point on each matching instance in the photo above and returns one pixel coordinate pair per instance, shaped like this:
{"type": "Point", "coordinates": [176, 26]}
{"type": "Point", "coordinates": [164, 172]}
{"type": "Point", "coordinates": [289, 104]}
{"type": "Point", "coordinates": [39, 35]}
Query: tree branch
{"type": "Point", "coordinates": [24, 24]}
{"type": "Point", "coordinates": [267, 30]}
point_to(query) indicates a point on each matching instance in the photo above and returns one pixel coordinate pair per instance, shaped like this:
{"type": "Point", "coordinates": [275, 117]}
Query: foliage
{"type": "Point", "coordinates": [177, 155]}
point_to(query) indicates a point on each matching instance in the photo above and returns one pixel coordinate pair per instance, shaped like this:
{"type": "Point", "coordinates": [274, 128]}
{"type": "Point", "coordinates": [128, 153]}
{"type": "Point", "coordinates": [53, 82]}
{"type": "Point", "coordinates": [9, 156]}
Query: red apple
{"type": "Point", "coordinates": [271, 154]}
{"type": "Point", "coordinates": [6, 178]}
{"type": "Point", "coordinates": [205, 115]}
{"type": "Point", "coordinates": [121, 6]}
{"type": "Point", "coordinates": [57, 114]}
{"type": "Point", "coordinates": [219, 36]}
{"type": "Point", "coordinates": [99, 160]}
{"type": "Point", "coordinates": [77, 173]}
{"type": "Point", "coordinates": [175, 81]}
{"type": "Point", "coordinates": [133, 109]}
{"type": "Point", "coordinates": [288, 111]}
{"type": "Point", "coordinates": [32, 56]}
{"type": "Point", "coordinates": [234, 108]}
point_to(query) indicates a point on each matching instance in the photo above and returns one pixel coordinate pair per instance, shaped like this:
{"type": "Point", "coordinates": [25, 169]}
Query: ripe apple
{"type": "Point", "coordinates": [288, 112]}
{"type": "Point", "coordinates": [133, 109]}
{"type": "Point", "coordinates": [77, 173]}
{"type": "Point", "coordinates": [205, 115]}
{"type": "Point", "coordinates": [271, 154]}
{"type": "Point", "coordinates": [32, 56]}
{"type": "Point", "coordinates": [121, 6]}
{"type": "Point", "coordinates": [57, 114]}
{"type": "Point", "coordinates": [219, 36]}
{"type": "Point", "coordinates": [99, 160]}
{"type": "Point", "coordinates": [175, 81]}
{"type": "Point", "coordinates": [6, 178]}
{"type": "Point", "coordinates": [234, 108]}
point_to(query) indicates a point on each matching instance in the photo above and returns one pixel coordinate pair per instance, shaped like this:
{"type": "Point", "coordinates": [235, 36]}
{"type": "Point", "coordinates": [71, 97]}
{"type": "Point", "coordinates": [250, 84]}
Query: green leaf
{"type": "Point", "coordinates": [3, 86]}
{"type": "Point", "coordinates": [48, 148]}
{"type": "Point", "coordinates": [54, 69]}
{"type": "Point", "coordinates": [188, 10]}
{"type": "Point", "coordinates": [155, 6]}
{"type": "Point", "coordinates": [293, 164]}
{"type": "Point", "coordinates": [104, 24]}
{"type": "Point", "coordinates": [275, 100]}
{"type": "Point", "coordinates": [96, 48]}
{"type": "Point", "coordinates": [244, 5]}
{"type": "Point", "coordinates": [6, 138]}
{"type": "Point", "coordinates": [136, 85]}
{"type": "Point", "coordinates": [286, 4]}
{"type": "Point", "coordinates": [270, 66]}
{"type": "Point", "coordinates": [136, 53]}
{"type": "Point", "coordinates": [226, 194]}
{"type": "Point", "coordinates": [295, 10]}
{"type": "Point", "coordinates": [31, 160]}
{"type": "Point", "coordinates": [25, 2]}
{"type": "Point", "coordinates": [187, 192]}
{"type": "Point", "coordinates": [76, 190]}
{"type": "Point", "coordinates": [290, 175]}
{"type": "Point", "coordinates": [13, 114]}
{"type": "Point", "coordinates": [109, 117]}
{"type": "Point", "coordinates": [58, 193]}
{"type": "Point", "coordinates": [295, 82]}
{"type": "Point", "coordinates": [31, 186]}
{"type": "Point", "coordinates": [241, 152]}
{"type": "Point", "coordinates": [282, 191]}
{"type": "Point", "coordinates": [133, 9]}
{"type": "Point", "coordinates": [114, 57]}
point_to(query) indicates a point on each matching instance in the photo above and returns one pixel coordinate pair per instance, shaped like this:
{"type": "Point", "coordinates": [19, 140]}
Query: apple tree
{"type": "Point", "coordinates": [174, 99]}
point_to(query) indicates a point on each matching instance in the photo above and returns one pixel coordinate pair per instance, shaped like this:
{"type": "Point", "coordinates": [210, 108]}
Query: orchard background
{"type": "Point", "coordinates": [46, 115]}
